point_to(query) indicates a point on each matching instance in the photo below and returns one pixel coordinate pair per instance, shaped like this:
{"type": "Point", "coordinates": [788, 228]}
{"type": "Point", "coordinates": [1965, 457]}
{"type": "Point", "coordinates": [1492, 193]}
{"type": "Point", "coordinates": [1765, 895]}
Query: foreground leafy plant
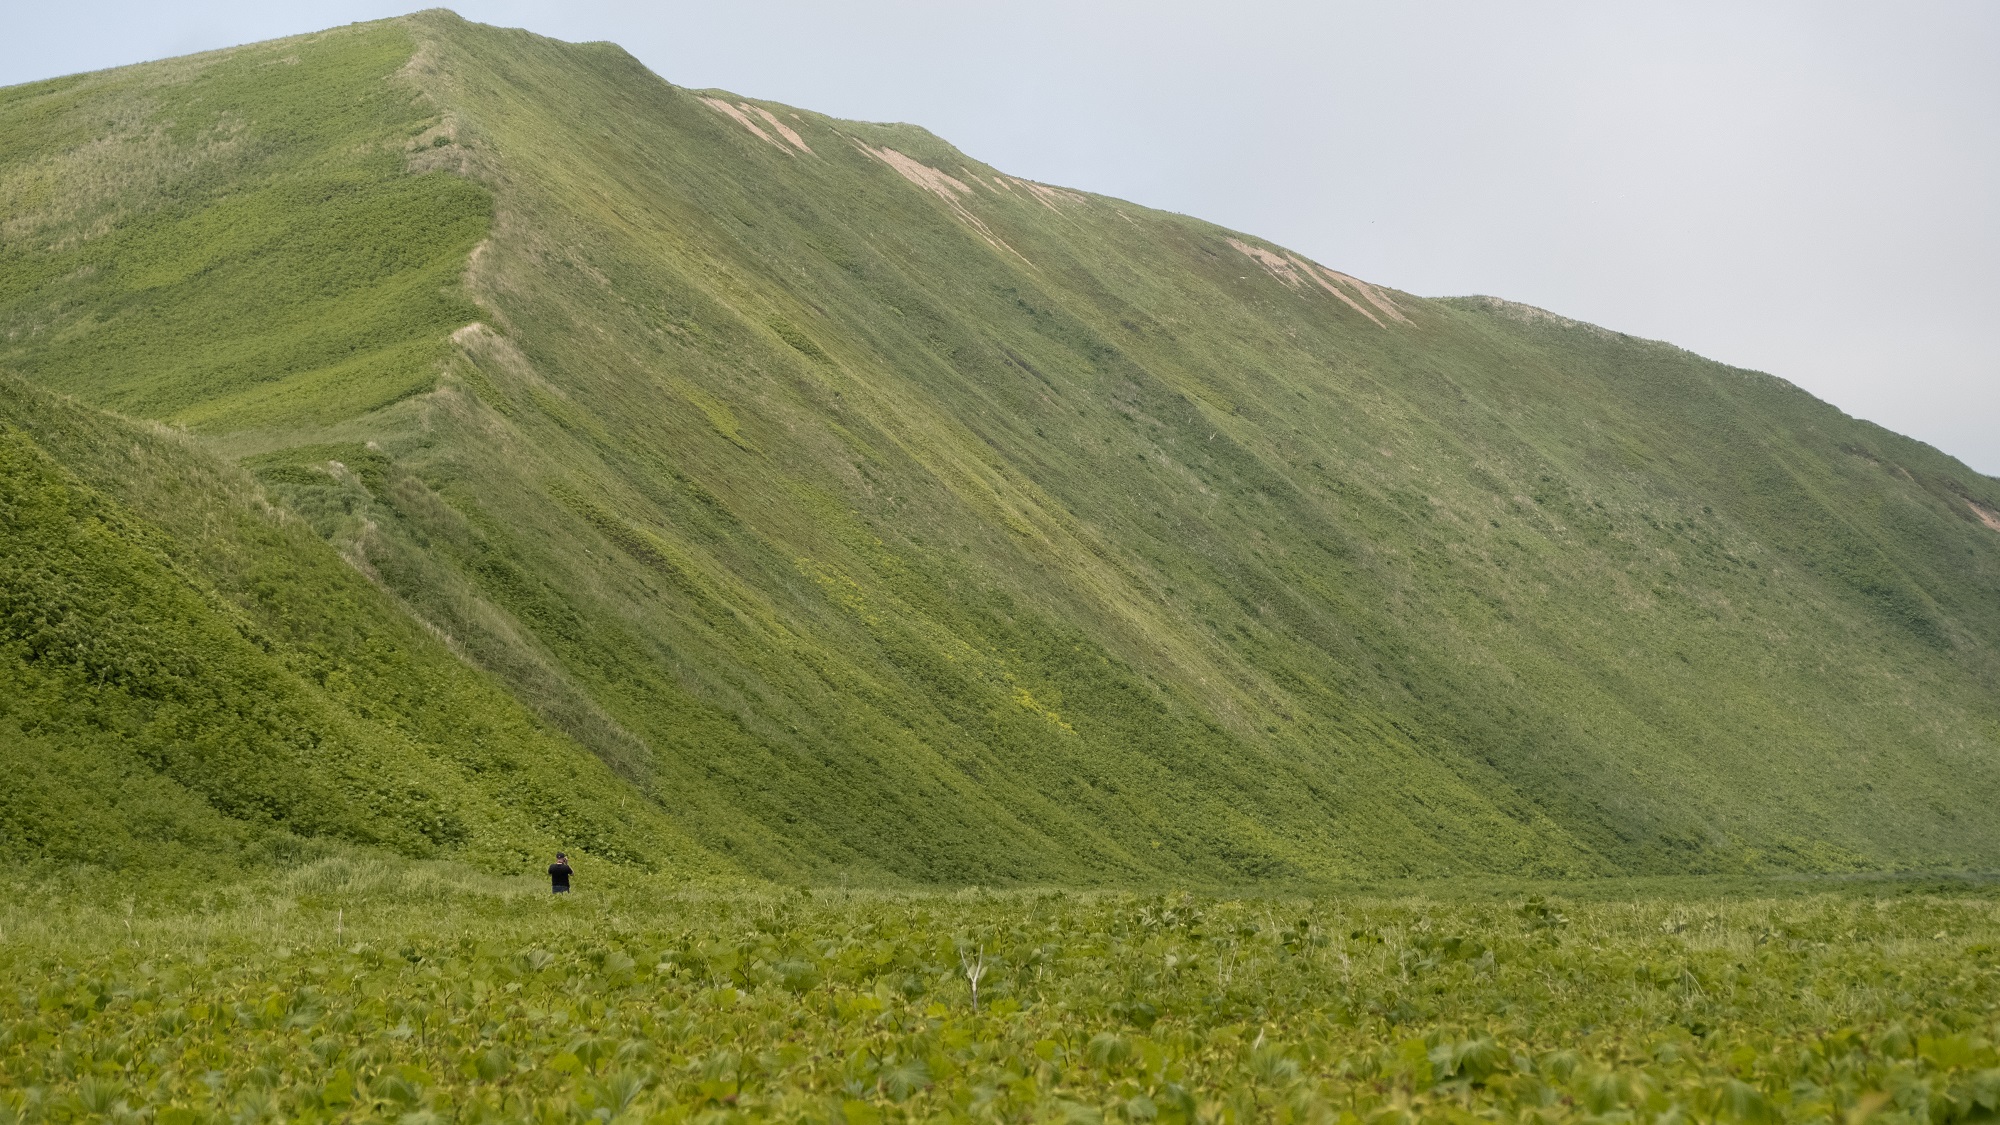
{"type": "Point", "coordinates": [490, 1002]}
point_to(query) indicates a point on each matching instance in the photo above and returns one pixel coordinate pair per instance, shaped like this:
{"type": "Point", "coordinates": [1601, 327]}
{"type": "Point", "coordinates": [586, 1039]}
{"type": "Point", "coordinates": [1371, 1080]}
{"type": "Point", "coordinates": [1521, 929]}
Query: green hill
{"type": "Point", "coordinates": [443, 438]}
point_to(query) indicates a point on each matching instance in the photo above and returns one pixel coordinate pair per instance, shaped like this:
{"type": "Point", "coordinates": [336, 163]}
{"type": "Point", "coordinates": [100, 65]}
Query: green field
{"type": "Point", "coordinates": [350, 989]}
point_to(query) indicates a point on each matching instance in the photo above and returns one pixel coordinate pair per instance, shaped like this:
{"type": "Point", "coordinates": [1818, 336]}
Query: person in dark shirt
{"type": "Point", "coordinates": [559, 873]}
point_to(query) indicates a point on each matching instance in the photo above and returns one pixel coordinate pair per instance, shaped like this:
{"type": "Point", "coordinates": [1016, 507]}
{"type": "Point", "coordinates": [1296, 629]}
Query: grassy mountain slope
{"type": "Point", "coordinates": [190, 673]}
{"type": "Point", "coordinates": [865, 510]}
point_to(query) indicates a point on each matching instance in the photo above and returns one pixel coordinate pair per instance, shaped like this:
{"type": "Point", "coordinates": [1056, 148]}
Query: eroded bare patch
{"type": "Point", "coordinates": [1293, 271]}
{"type": "Point", "coordinates": [944, 185]}
{"type": "Point", "coordinates": [1053, 198]}
{"type": "Point", "coordinates": [1274, 264]}
{"type": "Point", "coordinates": [1373, 295]}
{"type": "Point", "coordinates": [939, 183]}
{"type": "Point", "coordinates": [1327, 284]}
{"type": "Point", "coordinates": [1986, 515]}
{"type": "Point", "coordinates": [743, 119]}
{"type": "Point", "coordinates": [786, 131]}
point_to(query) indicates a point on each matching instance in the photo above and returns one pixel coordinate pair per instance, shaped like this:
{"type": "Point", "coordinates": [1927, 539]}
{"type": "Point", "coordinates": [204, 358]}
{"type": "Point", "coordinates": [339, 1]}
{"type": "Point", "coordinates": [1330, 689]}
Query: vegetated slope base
{"type": "Point", "coordinates": [871, 513]}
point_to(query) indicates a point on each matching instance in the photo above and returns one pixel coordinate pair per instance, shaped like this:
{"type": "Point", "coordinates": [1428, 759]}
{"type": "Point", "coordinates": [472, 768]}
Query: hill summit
{"type": "Point", "coordinates": [446, 439]}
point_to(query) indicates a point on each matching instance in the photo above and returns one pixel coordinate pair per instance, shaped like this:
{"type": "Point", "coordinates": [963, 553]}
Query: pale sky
{"type": "Point", "coordinates": [1810, 189]}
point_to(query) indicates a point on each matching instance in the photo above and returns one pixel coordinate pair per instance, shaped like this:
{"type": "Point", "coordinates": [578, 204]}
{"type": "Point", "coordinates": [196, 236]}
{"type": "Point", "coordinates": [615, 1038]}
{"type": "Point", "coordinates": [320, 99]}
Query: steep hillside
{"type": "Point", "coordinates": [189, 674]}
{"type": "Point", "coordinates": [867, 512]}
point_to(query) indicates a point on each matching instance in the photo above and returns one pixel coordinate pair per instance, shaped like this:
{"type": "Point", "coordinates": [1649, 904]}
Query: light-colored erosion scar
{"type": "Point", "coordinates": [1051, 197]}
{"type": "Point", "coordinates": [1375, 296]}
{"type": "Point", "coordinates": [1986, 515]}
{"type": "Point", "coordinates": [783, 129]}
{"type": "Point", "coordinates": [1329, 286]}
{"type": "Point", "coordinates": [743, 119]}
{"type": "Point", "coordinates": [1293, 270]}
{"type": "Point", "coordinates": [1273, 264]}
{"type": "Point", "coordinates": [941, 184]}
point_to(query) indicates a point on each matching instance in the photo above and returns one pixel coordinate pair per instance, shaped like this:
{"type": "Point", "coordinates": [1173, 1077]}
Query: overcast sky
{"type": "Point", "coordinates": [1811, 189]}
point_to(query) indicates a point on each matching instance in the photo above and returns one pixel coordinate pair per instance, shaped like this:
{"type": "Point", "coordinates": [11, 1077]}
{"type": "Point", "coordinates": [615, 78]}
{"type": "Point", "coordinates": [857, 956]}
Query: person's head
{"type": "Point", "coordinates": [563, 856]}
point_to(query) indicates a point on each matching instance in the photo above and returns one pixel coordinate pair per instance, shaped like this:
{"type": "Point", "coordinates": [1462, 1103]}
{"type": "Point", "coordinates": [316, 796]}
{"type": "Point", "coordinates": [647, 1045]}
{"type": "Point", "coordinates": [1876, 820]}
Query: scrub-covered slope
{"type": "Point", "coordinates": [867, 510]}
{"type": "Point", "coordinates": [190, 676]}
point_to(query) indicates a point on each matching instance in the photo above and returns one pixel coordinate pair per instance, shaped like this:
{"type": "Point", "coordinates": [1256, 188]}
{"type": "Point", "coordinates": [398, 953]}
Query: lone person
{"type": "Point", "coordinates": [559, 873]}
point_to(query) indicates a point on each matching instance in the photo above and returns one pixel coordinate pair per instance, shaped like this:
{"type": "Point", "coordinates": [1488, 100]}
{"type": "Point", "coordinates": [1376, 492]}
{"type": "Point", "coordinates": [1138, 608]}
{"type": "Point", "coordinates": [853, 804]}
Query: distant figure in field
{"type": "Point", "coordinates": [559, 873]}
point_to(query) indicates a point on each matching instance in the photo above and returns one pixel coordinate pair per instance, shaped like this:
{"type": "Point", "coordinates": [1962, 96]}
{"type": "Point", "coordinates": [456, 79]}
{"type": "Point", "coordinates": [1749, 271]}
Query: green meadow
{"type": "Point", "coordinates": [349, 989]}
